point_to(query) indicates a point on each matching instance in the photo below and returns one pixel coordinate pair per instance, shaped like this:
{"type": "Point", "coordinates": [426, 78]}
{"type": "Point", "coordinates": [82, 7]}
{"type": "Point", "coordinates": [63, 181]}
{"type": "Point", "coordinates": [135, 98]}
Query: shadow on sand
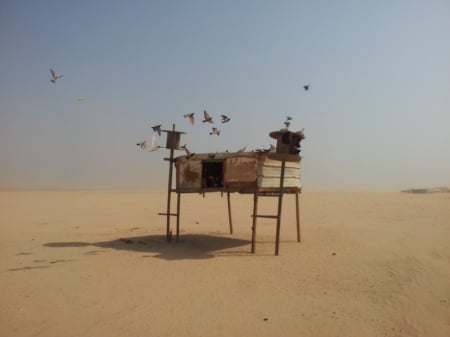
{"type": "Point", "coordinates": [189, 246]}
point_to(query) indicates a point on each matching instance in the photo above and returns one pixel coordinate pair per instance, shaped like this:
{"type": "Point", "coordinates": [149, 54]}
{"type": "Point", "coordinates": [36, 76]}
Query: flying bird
{"type": "Point", "coordinates": [80, 99]}
{"type": "Point", "coordinates": [190, 116]}
{"type": "Point", "coordinates": [189, 154]}
{"type": "Point", "coordinates": [157, 128]}
{"type": "Point", "coordinates": [215, 131]}
{"type": "Point", "coordinates": [155, 146]}
{"type": "Point", "coordinates": [207, 117]}
{"type": "Point", "coordinates": [306, 87]}
{"type": "Point", "coordinates": [225, 119]}
{"type": "Point", "coordinates": [288, 118]}
{"type": "Point", "coordinates": [142, 145]}
{"type": "Point", "coordinates": [54, 76]}
{"type": "Point", "coordinates": [286, 124]}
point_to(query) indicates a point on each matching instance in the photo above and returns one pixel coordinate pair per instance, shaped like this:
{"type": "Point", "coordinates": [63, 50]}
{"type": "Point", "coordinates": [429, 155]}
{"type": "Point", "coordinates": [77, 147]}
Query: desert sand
{"type": "Point", "coordinates": [96, 263]}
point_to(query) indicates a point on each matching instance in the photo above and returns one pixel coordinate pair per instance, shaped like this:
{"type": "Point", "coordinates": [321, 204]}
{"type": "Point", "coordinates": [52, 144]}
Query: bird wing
{"type": "Point", "coordinates": [53, 73]}
{"type": "Point", "coordinates": [206, 115]}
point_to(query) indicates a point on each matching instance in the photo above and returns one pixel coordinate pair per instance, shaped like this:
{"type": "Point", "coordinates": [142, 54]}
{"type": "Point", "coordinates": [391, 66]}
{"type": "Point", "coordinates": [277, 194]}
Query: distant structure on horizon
{"type": "Point", "coordinates": [428, 190]}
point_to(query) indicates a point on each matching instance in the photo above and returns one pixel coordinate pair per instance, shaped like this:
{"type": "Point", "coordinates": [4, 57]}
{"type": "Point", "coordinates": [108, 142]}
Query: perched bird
{"type": "Point", "coordinates": [306, 87]}
{"type": "Point", "coordinates": [155, 146]}
{"type": "Point", "coordinates": [143, 144]}
{"type": "Point", "coordinates": [242, 150]}
{"type": "Point", "coordinates": [189, 154]}
{"type": "Point", "coordinates": [270, 149]}
{"type": "Point", "coordinates": [54, 76]}
{"type": "Point", "coordinates": [207, 117]}
{"type": "Point", "coordinates": [215, 131]}
{"type": "Point", "coordinates": [225, 119]}
{"type": "Point", "coordinates": [157, 128]}
{"type": "Point", "coordinates": [190, 116]}
{"type": "Point", "coordinates": [80, 99]}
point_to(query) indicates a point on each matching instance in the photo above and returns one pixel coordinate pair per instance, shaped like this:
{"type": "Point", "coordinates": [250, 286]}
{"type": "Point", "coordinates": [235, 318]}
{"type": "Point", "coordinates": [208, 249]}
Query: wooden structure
{"type": "Point", "coordinates": [263, 174]}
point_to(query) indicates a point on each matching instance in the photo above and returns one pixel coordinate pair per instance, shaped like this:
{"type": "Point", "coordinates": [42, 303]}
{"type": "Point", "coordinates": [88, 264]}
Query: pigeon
{"type": "Point", "coordinates": [306, 87]}
{"type": "Point", "coordinates": [155, 146]}
{"type": "Point", "coordinates": [288, 118]}
{"type": "Point", "coordinates": [142, 145]}
{"type": "Point", "coordinates": [242, 150]}
{"type": "Point", "coordinates": [225, 119]}
{"type": "Point", "coordinates": [80, 99]}
{"type": "Point", "coordinates": [54, 76]}
{"type": "Point", "coordinates": [270, 149]}
{"type": "Point", "coordinates": [286, 123]}
{"type": "Point", "coordinates": [215, 131]}
{"type": "Point", "coordinates": [190, 116]}
{"type": "Point", "coordinates": [157, 128]}
{"type": "Point", "coordinates": [189, 154]}
{"type": "Point", "coordinates": [207, 117]}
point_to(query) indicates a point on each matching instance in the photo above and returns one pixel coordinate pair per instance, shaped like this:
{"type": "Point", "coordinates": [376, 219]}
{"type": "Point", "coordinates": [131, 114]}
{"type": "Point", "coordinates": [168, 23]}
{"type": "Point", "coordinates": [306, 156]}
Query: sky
{"type": "Point", "coordinates": [377, 114]}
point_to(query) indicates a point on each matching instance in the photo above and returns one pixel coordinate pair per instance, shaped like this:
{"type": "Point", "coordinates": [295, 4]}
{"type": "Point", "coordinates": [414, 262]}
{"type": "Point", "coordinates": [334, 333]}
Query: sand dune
{"type": "Point", "coordinates": [96, 263]}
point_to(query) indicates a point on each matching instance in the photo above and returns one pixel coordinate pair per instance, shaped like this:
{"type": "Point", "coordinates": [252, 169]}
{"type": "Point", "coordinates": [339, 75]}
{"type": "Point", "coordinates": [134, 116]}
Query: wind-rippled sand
{"type": "Point", "coordinates": [96, 263]}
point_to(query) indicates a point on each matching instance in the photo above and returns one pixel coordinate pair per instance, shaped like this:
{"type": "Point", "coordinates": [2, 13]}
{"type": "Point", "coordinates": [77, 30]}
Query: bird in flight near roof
{"type": "Point", "coordinates": [54, 76]}
{"type": "Point", "coordinates": [189, 154]}
{"type": "Point", "coordinates": [215, 131]}
{"type": "Point", "coordinates": [190, 116]}
{"type": "Point", "coordinates": [225, 119]}
{"type": "Point", "coordinates": [207, 117]}
{"type": "Point", "coordinates": [157, 128]}
{"type": "Point", "coordinates": [143, 144]}
{"type": "Point", "coordinates": [155, 146]}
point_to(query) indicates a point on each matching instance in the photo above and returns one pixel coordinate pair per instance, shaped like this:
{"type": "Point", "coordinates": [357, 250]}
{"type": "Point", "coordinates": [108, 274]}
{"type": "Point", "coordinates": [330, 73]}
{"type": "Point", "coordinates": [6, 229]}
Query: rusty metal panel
{"type": "Point", "coordinates": [189, 173]}
{"type": "Point", "coordinates": [240, 169]}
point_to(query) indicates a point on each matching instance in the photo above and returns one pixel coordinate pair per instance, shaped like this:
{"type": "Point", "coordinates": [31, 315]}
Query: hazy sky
{"type": "Point", "coordinates": [377, 114]}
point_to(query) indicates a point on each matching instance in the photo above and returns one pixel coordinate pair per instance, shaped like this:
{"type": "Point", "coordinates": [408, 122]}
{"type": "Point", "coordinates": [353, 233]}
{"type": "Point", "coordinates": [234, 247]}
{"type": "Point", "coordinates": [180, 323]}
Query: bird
{"type": "Point", "coordinates": [306, 87]}
{"type": "Point", "coordinates": [207, 117]}
{"type": "Point", "coordinates": [80, 99]}
{"type": "Point", "coordinates": [286, 124]}
{"type": "Point", "coordinates": [215, 131]}
{"type": "Point", "coordinates": [155, 146]}
{"type": "Point", "coordinates": [190, 116]}
{"type": "Point", "coordinates": [242, 149]}
{"type": "Point", "coordinates": [54, 76]}
{"type": "Point", "coordinates": [142, 145]}
{"type": "Point", "coordinates": [157, 128]}
{"type": "Point", "coordinates": [288, 118]}
{"type": "Point", "coordinates": [225, 119]}
{"type": "Point", "coordinates": [189, 154]}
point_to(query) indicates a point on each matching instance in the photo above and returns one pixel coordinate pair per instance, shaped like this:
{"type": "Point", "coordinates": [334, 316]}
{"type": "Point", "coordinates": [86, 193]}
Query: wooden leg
{"type": "Point", "coordinates": [297, 208]}
{"type": "Point", "coordinates": [280, 205]}
{"type": "Point", "coordinates": [229, 213]}
{"type": "Point", "coordinates": [255, 209]}
{"type": "Point", "coordinates": [178, 216]}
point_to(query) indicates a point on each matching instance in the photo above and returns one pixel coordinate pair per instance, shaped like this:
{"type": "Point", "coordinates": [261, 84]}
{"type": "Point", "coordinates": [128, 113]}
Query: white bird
{"type": "Point", "coordinates": [190, 116]}
{"type": "Point", "coordinates": [207, 117]}
{"type": "Point", "coordinates": [155, 146]}
{"type": "Point", "coordinates": [143, 144]}
{"type": "Point", "coordinates": [225, 119]}
{"type": "Point", "coordinates": [54, 76]}
{"type": "Point", "coordinates": [215, 131]}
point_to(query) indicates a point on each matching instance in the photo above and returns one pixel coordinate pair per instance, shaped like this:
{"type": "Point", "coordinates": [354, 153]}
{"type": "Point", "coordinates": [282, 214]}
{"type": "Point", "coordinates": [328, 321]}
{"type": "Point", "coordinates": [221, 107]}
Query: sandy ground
{"type": "Point", "coordinates": [96, 263]}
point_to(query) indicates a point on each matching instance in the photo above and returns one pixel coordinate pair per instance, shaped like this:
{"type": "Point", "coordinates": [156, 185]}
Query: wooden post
{"type": "Point", "coordinates": [229, 212]}
{"type": "Point", "coordinates": [297, 208]}
{"type": "Point", "coordinates": [178, 215]}
{"type": "Point", "coordinates": [280, 203]}
{"type": "Point", "coordinates": [255, 209]}
{"type": "Point", "coordinates": [169, 191]}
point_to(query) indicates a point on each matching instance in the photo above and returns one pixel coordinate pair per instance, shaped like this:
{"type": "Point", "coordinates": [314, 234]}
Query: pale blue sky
{"type": "Point", "coordinates": [377, 114]}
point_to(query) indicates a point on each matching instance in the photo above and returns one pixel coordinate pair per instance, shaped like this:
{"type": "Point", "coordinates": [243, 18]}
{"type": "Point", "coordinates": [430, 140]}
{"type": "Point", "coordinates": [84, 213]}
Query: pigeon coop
{"type": "Point", "coordinates": [258, 173]}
